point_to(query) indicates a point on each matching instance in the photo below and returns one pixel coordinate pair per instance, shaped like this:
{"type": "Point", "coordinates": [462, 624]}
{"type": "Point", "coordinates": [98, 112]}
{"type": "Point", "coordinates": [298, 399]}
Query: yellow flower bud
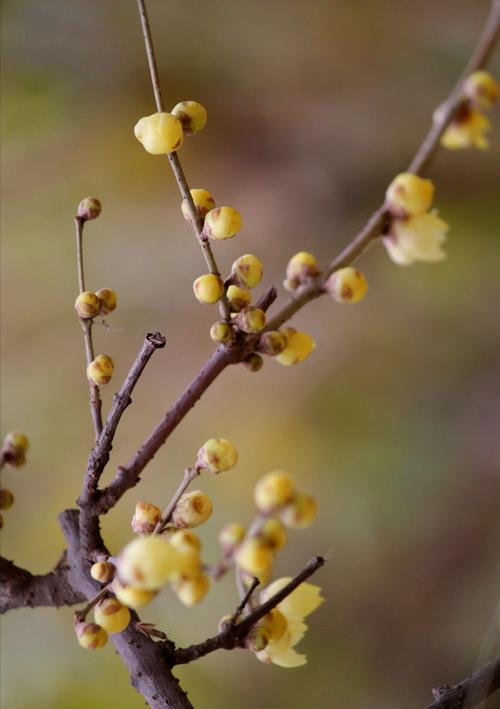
{"type": "Point", "coordinates": [273, 533]}
{"type": "Point", "coordinates": [468, 129]}
{"type": "Point", "coordinates": [257, 638]}
{"type": "Point", "coordinates": [203, 201]}
{"type": "Point", "coordinates": [299, 346]}
{"type": "Point", "coordinates": [254, 556]}
{"type": "Point", "coordinates": [301, 267]}
{"type": "Point", "coordinates": [148, 563]}
{"type": "Point", "coordinates": [208, 288]}
{"type": "Point", "coordinates": [192, 115]}
{"type": "Point", "coordinates": [247, 271]}
{"type": "Point", "coordinates": [272, 343]}
{"type": "Point", "coordinates": [102, 571]}
{"type": "Point", "coordinates": [89, 208]}
{"type": "Point", "coordinates": [217, 455]}
{"type": "Point", "coordinates": [482, 89]}
{"type": "Point", "coordinates": [300, 512]}
{"type": "Point", "coordinates": [100, 370]}
{"type": "Point", "coordinates": [222, 223]}
{"type": "Point", "coordinates": [251, 319]}
{"type": "Point", "coordinates": [347, 285]}
{"type": "Point", "coordinates": [107, 300]}
{"type": "Point", "coordinates": [238, 298]}
{"type": "Point", "coordinates": [91, 636]}
{"type": "Point", "coordinates": [410, 194]}
{"type": "Point", "coordinates": [221, 331]}
{"type": "Point", "coordinates": [87, 305]}
{"type": "Point", "coordinates": [275, 624]}
{"type": "Point", "coordinates": [111, 615]}
{"type": "Point", "coordinates": [6, 499]}
{"type": "Point", "coordinates": [146, 517]}
{"type": "Point", "coordinates": [131, 597]}
{"type": "Point", "coordinates": [193, 509]}
{"type": "Point", "coordinates": [16, 441]}
{"type": "Point", "coordinates": [185, 539]}
{"type": "Point", "coordinates": [230, 536]}
{"type": "Point", "coordinates": [253, 362]}
{"type": "Point", "coordinates": [273, 490]}
{"type": "Point", "coordinates": [160, 133]}
{"type": "Point", "coordinates": [192, 591]}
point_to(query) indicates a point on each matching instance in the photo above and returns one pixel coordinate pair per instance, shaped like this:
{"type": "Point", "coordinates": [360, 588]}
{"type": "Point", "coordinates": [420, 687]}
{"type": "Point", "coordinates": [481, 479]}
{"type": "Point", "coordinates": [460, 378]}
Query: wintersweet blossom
{"type": "Point", "coordinates": [468, 130]}
{"type": "Point", "coordinates": [294, 608]}
{"type": "Point", "coordinates": [418, 238]}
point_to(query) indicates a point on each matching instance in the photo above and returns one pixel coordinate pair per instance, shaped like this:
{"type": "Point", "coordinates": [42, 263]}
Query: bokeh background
{"type": "Point", "coordinates": [393, 422]}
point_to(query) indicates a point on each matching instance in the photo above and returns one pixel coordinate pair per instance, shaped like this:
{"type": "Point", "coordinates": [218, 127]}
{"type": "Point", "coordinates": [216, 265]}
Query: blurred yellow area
{"type": "Point", "coordinates": [392, 422]}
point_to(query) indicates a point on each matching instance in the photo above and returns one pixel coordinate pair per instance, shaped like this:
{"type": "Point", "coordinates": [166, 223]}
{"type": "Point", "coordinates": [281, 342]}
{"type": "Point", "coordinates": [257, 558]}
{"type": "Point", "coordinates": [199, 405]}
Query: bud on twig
{"type": "Point", "coordinates": [89, 208]}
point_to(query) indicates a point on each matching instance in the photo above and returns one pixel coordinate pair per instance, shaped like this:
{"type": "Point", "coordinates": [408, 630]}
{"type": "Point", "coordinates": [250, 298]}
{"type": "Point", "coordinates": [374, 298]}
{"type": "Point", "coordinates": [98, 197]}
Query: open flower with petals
{"type": "Point", "coordinates": [468, 130]}
{"type": "Point", "coordinates": [293, 609]}
{"type": "Point", "coordinates": [417, 238]}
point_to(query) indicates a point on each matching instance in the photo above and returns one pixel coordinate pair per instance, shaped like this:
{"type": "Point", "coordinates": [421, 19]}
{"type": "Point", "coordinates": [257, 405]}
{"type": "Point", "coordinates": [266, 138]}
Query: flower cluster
{"type": "Point", "coordinates": [470, 126]}
{"type": "Point", "coordinates": [414, 233]}
{"type": "Point", "coordinates": [13, 455]}
{"type": "Point", "coordinates": [88, 305]}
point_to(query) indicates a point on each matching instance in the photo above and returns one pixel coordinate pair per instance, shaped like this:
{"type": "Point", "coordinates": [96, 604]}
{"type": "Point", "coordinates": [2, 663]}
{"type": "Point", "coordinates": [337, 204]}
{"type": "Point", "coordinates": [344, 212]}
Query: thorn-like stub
{"type": "Point", "coordinates": [157, 339]}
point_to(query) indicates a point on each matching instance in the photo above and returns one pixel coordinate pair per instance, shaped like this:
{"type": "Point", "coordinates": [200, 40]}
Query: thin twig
{"type": "Point", "coordinates": [470, 691]}
{"type": "Point", "coordinates": [233, 635]}
{"type": "Point", "coordinates": [175, 163]}
{"type": "Point", "coordinates": [86, 323]}
{"type": "Point", "coordinates": [82, 613]}
{"type": "Point", "coordinates": [244, 601]}
{"type": "Point", "coordinates": [189, 475]}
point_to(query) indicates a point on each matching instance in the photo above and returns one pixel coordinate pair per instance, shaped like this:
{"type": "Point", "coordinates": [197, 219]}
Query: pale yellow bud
{"type": "Point", "coordinates": [148, 563]}
{"type": "Point", "coordinates": [273, 533]}
{"type": "Point", "coordinates": [107, 300]}
{"type": "Point", "coordinates": [254, 556]}
{"type": "Point", "coordinates": [238, 298]}
{"type": "Point", "coordinates": [6, 499]}
{"type": "Point", "coordinates": [247, 271]}
{"type": "Point", "coordinates": [253, 362]}
{"type": "Point", "coordinates": [273, 490]}
{"type": "Point", "coordinates": [410, 194]}
{"type": "Point", "coordinates": [111, 615]}
{"type": "Point", "coordinates": [16, 441]}
{"type": "Point", "coordinates": [192, 591]}
{"type": "Point", "coordinates": [230, 536]}
{"type": "Point", "coordinates": [193, 509]}
{"type": "Point", "coordinates": [146, 517]}
{"type": "Point", "coordinates": [221, 332]}
{"type": "Point", "coordinates": [192, 115]}
{"type": "Point", "coordinates": [217, 455]}
{"type": "Point", "coordinates": [89, 208]}
{"type": "Point", "coordinates": [203, 202]}
{"type": "Point", "coordinates": [469, 129]}
{"type": "Point", "coordinates": [301, 268]}
{"type": "Point", "coordinates": [251, 319]}
{"type": "Point", "coordinates": [91, 636]}
{"type": "Point", "coordinates": [222, 223]}
{"type": "Point", "coordinates": [482, 89]}
{"type": "Point", "coordinates": [100, 370]}
{"type": "Point", "coordinates": [300, 512]}
{"type": "Point", "coordinates": [102, 571]}
{"type": "Point", "coordinates": [208, 288]}
{"type": "Point", "coordinates": [347, 285]}
{"type": "Point", "coordinates": [87, 305]}
{"type": "Point", "coordinates": [185, 539]}
{"type": "Point", "coordinates": [299, 346]}
{"type": "Point", "coordinates": [131, 597]}
{"type": "Point", "coordinates": [160, 133]}
{"type": "Point", "coordinates": [272, 343]}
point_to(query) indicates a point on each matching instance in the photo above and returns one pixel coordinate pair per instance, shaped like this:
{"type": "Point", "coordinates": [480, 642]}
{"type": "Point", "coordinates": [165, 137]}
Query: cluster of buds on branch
{"type": "Point", "coordinates": [12, 455]}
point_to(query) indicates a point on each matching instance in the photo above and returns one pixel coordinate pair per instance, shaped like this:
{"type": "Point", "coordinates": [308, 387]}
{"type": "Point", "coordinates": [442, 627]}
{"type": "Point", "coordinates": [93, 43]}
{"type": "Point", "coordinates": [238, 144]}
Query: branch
{"type": "Point", "coordinates": [233, 635]}
{"type": "Point", "coordinates": [175, 163]}
{"type": "Point", "coordinates": [22, 589]}
{"type": "Point", "coordinates": [128, 475]}
{"type": "Point", "coordinates": [472, 690]}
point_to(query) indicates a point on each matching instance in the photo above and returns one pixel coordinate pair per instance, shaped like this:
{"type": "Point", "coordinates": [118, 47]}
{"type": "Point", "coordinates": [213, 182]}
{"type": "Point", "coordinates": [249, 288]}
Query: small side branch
{"type": "Point", "coordinates": [190, 474]}
{"type": "Point", "coordinates": [234, 635]}
{"type": "Point", "coordinates": [22, 589]}
{"type": "Point", "coordinates": [471, 691]}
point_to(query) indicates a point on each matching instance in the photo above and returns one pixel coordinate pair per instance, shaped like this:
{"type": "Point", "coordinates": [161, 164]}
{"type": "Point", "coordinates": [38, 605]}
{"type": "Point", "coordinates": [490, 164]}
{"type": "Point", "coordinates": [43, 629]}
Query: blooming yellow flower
{"type": "Point", "coordinates": [294, 608]}
{"type": "Point", "coordinates": [417, 238]}
{"type": "Point", "coordinates": [468, 130]}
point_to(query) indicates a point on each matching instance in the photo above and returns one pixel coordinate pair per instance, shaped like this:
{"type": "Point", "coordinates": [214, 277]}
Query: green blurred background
{"type": "Point", "coordinates": [393, 422]}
